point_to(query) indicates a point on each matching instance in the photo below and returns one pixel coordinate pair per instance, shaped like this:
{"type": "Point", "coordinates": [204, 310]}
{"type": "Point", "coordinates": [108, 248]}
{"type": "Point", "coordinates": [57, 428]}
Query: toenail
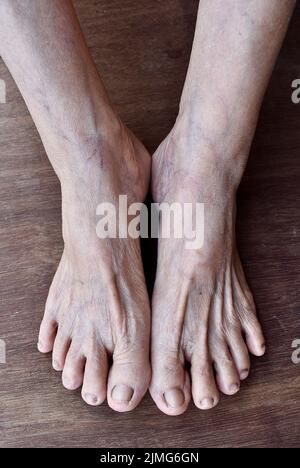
{"type": "Point", "coordinates": [56, 365]}
{"type": "Point", "coordinates": [122, 393]}
{"type": "Point", "coordinates": [207, 403]}
{"type": "Point", "coordinates": [174, 398]}
{"type": "Point", "coordinates": [234, 388]}
{"type": "Point", "coordinates": [244, 374]}
{"type": "Point", "coordinates": [69, 384]}
{"type": "Point", "coordinates": [91, 399]}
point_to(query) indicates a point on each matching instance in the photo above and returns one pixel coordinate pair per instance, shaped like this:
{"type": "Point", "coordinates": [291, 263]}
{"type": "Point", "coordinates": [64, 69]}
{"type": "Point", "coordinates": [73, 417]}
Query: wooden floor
{"type": "Point", "coordinates": [142, 50]}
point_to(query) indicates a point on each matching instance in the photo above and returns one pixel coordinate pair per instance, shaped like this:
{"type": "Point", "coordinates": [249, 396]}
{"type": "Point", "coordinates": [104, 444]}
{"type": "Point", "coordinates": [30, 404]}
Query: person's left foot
{"type": "Point", "coordinates": [203, 311]}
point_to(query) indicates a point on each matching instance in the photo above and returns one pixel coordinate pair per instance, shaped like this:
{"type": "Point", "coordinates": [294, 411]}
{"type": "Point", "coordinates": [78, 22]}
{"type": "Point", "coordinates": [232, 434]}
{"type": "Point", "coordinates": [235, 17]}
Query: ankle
{"type": "Point", "coordinates": [76, 154]}
{"type": "Point", "coordinates": [213, 143]}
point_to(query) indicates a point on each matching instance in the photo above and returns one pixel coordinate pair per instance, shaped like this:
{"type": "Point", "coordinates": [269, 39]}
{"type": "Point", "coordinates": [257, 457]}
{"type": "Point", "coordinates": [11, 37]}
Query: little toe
{"type": "Point", "coordinates": [254, 336]}
{"type": "Point", "coordinates": [47, 335]}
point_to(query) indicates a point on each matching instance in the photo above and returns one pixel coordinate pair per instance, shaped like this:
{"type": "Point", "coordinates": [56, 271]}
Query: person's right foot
{"type": "Point", "coordinates": [203, 311]}
{"type": "Point", "coordinates": [98, 308]}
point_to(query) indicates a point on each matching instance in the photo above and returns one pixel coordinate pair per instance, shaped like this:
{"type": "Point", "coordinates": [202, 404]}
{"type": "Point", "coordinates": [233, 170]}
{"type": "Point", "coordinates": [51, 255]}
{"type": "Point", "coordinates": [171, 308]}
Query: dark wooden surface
{"type": "Point", "coordinates": [142, 50]}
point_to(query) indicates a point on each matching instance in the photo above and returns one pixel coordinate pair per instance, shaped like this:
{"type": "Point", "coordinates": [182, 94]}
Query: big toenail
{"type": "Point", "coordinates": [174, 398]}
{"type": "Point", "coordinates": [91, 399]}
{"type": "Point", "coordinates": [207, 403]}
{"type": "Point", "coordinates": [122, 393]}
{"type": "Point", "coordinates": [244, 374]}
{"type": "Point", "coordinates": [234, 388]}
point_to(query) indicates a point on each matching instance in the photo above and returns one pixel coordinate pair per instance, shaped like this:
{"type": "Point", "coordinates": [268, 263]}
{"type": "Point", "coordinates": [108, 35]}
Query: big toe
{"type": "Point", "coordinates": [170, 386]}
{"type": "Point", "coordinates": [128, 381]}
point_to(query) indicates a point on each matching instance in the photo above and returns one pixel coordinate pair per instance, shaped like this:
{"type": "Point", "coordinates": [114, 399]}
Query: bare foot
{"type": "Point", "coordinates": [203, 310]}
{"type": "Point", "coordinates": [97, 311]}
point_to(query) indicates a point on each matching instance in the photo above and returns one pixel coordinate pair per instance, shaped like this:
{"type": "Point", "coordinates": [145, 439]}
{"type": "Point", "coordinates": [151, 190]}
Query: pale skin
{"type": "Point", "coordinates": [97, 317]}
{"type": "Point", "coordinates": [203, 312]}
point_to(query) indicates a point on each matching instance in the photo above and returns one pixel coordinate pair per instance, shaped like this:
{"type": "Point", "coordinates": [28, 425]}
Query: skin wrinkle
{"type": "Point", "coordinates": [203, 159]}
{"type": "Point", "coordinates": [98, 297]}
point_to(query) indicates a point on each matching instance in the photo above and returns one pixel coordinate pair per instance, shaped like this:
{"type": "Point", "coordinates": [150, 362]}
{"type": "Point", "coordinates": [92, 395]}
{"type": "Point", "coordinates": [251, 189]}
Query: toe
{"type": "Point", "coordinates": [239, 352]}
{"type": "Point", "coordinates": [204, 388]}
{"type": "Point", "coordinates": [254, 335]}
{"type": "Point", "coordinates": [246, 309]}
{"type": "Point", "coordinates": [47, 335]}
{"type": "Point", "coordinates": [60, 350]}
{"type": "Point", "coordinates": [72, 376]}
{"type": "Point", "coordinates": [170, 386]}
{"type": "Point", "coordinates": [95, 379]}
{"type": "Point", "coordinates": [226, 373]}
{"type": "Point", "coordinates": [128, 380]}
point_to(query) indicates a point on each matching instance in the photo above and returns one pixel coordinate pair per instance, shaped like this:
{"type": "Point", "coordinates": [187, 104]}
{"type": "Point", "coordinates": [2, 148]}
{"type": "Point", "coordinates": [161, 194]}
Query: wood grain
{"type": "Point", "coordinates": [142, 51]}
